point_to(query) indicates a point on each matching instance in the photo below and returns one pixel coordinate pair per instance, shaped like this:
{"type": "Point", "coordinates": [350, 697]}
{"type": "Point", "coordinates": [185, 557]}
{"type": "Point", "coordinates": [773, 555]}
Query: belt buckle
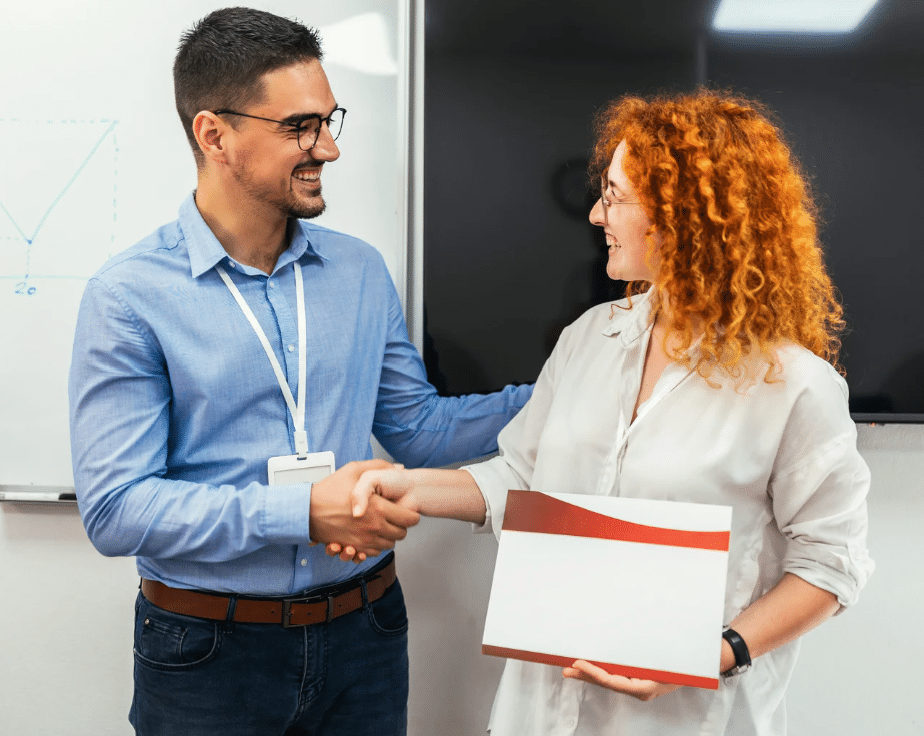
{"type": "Point", "coordinates": [287, 609]}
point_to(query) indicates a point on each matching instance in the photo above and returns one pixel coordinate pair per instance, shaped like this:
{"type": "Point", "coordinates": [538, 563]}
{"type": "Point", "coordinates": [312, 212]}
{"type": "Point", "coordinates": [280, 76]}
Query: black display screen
{"type": "Point", "coordinates": [509, 255]}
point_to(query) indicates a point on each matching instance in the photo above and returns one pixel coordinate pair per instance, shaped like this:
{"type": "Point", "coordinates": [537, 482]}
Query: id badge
{"type": "Point", "coordinates": [288, 469]}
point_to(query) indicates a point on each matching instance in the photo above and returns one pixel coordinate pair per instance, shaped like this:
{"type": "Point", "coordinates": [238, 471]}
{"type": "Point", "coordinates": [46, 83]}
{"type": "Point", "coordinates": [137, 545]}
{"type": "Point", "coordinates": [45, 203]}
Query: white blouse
{"type": "Point", "coordinates": [782, 454]}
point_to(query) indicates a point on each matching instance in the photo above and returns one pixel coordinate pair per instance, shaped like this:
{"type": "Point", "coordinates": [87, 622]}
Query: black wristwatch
{"type": "Point", "coordinates": [740, 649]}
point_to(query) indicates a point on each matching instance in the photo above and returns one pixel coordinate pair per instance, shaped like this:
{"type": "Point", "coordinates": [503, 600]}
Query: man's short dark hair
{"type": "Point", "coordinates": [221, 60]}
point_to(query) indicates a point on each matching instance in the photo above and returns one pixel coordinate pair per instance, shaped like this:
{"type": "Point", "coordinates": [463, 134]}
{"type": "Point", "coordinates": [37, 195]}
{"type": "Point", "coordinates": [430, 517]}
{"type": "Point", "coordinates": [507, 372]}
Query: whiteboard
{"type": "Point", "coordinates": [93, 158]}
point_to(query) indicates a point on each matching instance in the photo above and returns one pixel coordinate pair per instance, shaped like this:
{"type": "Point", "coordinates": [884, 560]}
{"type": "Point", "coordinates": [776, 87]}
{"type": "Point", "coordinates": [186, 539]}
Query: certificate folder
{"type": "Point", "coordinates": [635, 586]}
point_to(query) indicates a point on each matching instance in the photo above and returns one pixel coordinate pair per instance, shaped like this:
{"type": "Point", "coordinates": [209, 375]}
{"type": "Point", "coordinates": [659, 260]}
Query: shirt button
{"type": "Point", "coordinates": [232, 264]}
{"type": "Point", "coordinates": [272, 284]}
{"type": "Point", "coordinates": [304, 562]}
{"type": "Point", "coordinates": [291, 348]}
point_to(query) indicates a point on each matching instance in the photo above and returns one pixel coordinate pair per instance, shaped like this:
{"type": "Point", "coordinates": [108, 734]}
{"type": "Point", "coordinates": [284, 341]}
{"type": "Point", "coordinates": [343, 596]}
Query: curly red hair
{"type": "Point", "coordinates": [739, 255]}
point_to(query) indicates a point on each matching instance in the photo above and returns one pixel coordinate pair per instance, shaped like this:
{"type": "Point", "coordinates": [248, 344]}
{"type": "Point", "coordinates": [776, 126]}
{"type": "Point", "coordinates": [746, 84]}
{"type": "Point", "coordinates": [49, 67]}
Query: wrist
{"type": "Point", "coordinates": [727, 658]}
{"type": "Point", "coordinates": [740, 653]}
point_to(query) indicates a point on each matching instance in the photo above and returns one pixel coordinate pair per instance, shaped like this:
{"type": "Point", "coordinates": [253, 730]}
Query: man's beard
{"type": "Point", "coordinates": [290, 206]}
{"type": "Point", "coordinates": [305, 210]}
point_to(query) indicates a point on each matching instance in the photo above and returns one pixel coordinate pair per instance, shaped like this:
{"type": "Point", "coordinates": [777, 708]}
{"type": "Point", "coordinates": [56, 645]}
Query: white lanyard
{"type": "Point", "coordinates": [297, 410]}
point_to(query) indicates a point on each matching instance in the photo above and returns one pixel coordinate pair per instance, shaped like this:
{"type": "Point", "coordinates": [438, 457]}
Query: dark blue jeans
{"type": "Point", "coordinates": [195, 677]}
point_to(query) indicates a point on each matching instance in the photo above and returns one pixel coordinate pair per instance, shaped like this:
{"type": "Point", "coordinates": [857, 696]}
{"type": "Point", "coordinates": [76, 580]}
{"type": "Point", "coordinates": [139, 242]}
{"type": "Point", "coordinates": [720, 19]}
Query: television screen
{"type": "Point", "coordinates": [511, 86]}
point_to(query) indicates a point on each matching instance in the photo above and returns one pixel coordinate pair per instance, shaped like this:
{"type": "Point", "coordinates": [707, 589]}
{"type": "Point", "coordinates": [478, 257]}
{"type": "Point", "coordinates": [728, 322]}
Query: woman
{"type": "Point", "coordinates": [713, 382]}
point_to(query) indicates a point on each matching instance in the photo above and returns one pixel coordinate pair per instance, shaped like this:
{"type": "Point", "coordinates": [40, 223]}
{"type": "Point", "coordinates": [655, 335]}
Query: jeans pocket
{"type": "Point", "coordinates": [171, 641]}
{"type": "Point", "coordinates": [388, 615]}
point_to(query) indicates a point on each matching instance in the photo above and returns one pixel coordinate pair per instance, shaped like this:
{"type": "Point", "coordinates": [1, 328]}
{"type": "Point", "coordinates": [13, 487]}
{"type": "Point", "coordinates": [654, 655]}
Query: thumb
{"type": "Point", "coordinates": [362, 492]}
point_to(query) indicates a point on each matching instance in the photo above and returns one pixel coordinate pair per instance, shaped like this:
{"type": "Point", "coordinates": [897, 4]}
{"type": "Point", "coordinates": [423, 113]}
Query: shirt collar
{"type": "Point", "coordinates": [205, 252]}
{"type": "Point", "coordinates": [630, 323]}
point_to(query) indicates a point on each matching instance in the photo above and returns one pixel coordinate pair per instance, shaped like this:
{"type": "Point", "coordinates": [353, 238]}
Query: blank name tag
{"type": "Point", "coordinates": [288, 469]}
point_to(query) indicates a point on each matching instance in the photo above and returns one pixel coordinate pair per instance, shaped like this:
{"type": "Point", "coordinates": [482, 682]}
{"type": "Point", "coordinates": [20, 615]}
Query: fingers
{"type": "Point", "coordinates": [375, 522]}
{"type": "Point", "coordinates": [640, 689]}
{"type": "Point", "coordinates": [383, 524]}
{"type": "Point", "coordinates": [395, 515]}
{"type": "Point", "coordinates": [346, 553]}
{"type": "Point", "coordinates": [349, 554]}
{"type": "Point", "coordinates": [362, 492]}
{"type": "Point", "coordinates": [584, 670]}
{"type": "Point", "coordinates": [392, 484]}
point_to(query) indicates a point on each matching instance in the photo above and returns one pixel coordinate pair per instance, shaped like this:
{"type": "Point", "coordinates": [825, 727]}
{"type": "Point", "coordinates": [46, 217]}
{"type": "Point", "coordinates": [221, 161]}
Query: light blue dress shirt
{"type": "Point", "coordinates": [175, 409]}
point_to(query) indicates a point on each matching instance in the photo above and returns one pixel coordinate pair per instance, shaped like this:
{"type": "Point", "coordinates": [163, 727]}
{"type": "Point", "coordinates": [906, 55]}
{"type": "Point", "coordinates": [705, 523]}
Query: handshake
{"type": "Point", "coordinates": [365, 507]}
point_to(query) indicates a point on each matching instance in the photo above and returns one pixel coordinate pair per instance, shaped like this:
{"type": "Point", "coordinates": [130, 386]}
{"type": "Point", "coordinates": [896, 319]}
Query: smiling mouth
{"type": "Point", "coordinates": [311, 176]}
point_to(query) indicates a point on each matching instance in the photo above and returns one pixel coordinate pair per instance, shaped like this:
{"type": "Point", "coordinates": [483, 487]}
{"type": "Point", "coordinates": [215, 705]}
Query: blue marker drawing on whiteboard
{"type": "Point", "coordinates": [24, 287]}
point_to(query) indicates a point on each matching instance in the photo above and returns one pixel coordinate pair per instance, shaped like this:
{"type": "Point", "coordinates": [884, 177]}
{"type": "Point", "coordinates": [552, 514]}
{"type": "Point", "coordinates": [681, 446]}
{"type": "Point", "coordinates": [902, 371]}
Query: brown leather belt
{"type": "Point", "coordinates": [289, 612]}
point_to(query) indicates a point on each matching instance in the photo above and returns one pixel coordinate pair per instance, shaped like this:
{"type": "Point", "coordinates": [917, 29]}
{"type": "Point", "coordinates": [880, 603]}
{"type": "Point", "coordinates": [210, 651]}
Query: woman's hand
{"type": "Point", "coordinates": [447, 494]}
{"type": "Point", "coordinates": [391, 485]}
{"type": "Point", "coordinates": [641, 689]}
{"type": "Point", "coordinates": [347, 554]}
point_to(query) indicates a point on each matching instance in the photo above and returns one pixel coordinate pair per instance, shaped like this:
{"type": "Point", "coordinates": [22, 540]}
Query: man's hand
{"type": "Point", "coordinates": [393, 483]}
{"type": "Point", "coordinates": [383, 482]}
{"type": "Point", "coordinates": [332, 518]}
{"type": "Point", "coordinates": [641, 689]}
{"type": "Point", "coordinates": [446, 494]}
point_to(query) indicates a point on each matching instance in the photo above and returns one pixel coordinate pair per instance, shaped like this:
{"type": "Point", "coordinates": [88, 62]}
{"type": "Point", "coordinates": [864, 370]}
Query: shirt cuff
{"type": "Point", "coordinates": [287, 510]}
{"type": "Point", "coordinates": [841, 571]}
{"type": "Point", "coordinates": [485, 526]}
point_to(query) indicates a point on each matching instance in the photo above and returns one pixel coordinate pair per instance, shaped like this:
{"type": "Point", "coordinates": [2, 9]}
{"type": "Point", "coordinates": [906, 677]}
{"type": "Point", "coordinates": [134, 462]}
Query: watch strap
{"type": "Point", "coordinates": [740, 650]}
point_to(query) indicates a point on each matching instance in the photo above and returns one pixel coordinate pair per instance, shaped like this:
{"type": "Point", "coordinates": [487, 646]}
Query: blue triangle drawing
{"type": "Point", "coordinates": [29, 238]}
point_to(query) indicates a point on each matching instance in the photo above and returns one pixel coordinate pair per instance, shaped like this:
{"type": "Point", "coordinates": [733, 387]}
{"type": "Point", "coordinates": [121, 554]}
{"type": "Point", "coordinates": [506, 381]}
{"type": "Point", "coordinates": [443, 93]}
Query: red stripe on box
{"type": "Point", "coordinates": [531, 511]}
{"type": "Point", "coordinates": [673, 678]}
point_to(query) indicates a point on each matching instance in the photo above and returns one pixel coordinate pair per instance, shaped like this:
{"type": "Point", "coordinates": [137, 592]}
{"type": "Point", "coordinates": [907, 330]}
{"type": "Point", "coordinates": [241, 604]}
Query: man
{"type": "Point", "coordinates": [232, 343]}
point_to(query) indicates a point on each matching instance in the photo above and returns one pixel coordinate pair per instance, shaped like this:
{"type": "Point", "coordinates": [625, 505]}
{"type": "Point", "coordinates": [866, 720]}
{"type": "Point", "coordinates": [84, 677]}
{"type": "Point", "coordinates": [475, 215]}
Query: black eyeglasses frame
{"type": "Point", "coordinates": [299, 127]}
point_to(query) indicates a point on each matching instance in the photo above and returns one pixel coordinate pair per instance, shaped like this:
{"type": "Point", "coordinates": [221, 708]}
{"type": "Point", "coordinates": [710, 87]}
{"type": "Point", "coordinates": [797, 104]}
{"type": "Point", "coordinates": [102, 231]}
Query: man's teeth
{"type": "Point", "coordinates": [308, 175]}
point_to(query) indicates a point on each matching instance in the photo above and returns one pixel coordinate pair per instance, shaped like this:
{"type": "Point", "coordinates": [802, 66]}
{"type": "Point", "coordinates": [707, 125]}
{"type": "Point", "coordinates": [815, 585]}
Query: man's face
{"type": "Point", "coordinates": [268, 164]}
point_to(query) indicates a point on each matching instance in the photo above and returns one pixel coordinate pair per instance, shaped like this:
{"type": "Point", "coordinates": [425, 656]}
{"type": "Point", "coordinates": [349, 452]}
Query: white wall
{"type": "Point", "coordinates": [66, 619]}
{"type": "Point", "coordinates": [65, 627]}
{"type": "Point", "coordinates": [860, 673]}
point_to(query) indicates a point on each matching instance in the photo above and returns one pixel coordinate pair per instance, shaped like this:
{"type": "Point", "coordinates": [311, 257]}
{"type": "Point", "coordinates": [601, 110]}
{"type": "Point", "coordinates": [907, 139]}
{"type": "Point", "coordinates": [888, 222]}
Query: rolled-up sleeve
{"type": "Point", "coordinates": [819, 498]}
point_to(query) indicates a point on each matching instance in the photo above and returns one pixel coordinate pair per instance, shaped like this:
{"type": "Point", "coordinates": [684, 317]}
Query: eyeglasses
{"type": "Point", "coordinates": [307, 130]}
{"type": "Point", "coordinates": [607, 203]}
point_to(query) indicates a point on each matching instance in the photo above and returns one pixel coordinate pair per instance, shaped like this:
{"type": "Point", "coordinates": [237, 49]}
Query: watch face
{"type": "Point", "coordinates": [737, 670]}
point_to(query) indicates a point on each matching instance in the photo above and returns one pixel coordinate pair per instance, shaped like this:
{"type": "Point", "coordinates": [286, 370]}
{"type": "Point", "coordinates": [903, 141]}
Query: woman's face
{"type": "Point", "coordinates": [624, 223]}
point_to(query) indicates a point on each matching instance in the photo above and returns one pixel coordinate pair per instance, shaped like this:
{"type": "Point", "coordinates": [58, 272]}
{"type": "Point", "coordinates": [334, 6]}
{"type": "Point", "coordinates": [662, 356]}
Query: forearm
{"type": "Point", "coordinates": [448, 494]}
{"type": "Point", "coordinates": [172, 519]}
{"type": "Point", "coordinates": [792, 608]}
{"type": "Point", "coordinates": [440, 430]}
